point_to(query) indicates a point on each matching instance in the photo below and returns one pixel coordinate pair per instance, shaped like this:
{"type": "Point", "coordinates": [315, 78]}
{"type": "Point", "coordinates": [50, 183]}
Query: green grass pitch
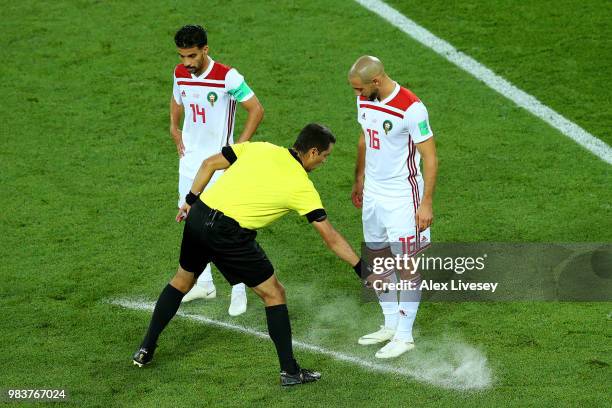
{"type": "Point", "coordinates": [88, 183]}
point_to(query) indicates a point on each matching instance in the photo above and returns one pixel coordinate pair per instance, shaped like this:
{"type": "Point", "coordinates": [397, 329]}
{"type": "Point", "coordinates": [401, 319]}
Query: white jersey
{"type": "Point", "coordinates": [209, 103]}
{"type": "Point", "coordinates": [391, 128]}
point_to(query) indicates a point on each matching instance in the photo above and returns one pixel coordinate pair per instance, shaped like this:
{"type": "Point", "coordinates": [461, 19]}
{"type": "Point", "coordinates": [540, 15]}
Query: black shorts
{"type": "Point", "coordinates": [210, 236]}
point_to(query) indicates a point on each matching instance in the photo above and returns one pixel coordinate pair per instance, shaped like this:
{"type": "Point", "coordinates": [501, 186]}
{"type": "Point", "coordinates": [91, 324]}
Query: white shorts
{"type": "Point", "coordinates": [185, 184]}
{"type": "Point", "coordinates": [391, 222]}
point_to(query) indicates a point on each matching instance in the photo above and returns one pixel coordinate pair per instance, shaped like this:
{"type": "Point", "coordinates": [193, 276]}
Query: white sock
{"type": "Point", "coordinates": [238, 288]}
{"type": "Point", "coordinates": [408, 307]}
{"type": "Point", "coordinates": [205, 277]}
{"type": "Point", "coordinates": [389, 305]}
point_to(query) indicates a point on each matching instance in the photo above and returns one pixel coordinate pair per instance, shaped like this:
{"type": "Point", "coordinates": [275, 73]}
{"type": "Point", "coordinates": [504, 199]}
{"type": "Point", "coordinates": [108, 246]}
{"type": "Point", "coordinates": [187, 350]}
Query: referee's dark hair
{"type": "Point", "coordinates": [190, 36]}
{"type": "Point", "coordinates": [314, 135]}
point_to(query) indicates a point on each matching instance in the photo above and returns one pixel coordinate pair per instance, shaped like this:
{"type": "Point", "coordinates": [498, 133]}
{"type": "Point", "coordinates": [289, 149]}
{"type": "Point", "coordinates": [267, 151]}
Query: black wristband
{"type": "Point", "coordinates": [229, 154]}
{"type": "Point", "coordinates": [357, 269]}
{"type": "Point", "coordinates": [316, 215]}
{"type": "Point", "coordinates": [191, 198]}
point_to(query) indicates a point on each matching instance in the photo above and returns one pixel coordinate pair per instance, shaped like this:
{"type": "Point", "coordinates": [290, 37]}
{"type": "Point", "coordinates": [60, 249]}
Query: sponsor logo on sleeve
{"type": "Point", "coordinates": [424, 128]}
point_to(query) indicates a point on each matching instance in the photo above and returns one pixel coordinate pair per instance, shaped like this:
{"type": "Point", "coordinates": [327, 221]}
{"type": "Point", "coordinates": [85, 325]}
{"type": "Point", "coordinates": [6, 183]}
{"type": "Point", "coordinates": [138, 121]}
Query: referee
{"type": "Point", "coordinates": [262, 183]}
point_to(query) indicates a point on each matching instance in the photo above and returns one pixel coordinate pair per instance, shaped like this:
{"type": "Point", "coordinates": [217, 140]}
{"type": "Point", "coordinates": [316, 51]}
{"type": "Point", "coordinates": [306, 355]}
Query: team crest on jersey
{"type": "Point", "coordinates": [363, 116]}
{"type": "Point", "coordinates": [183, 94]}
{"type": "Point", "coordinates": [387, 126]}
{"type": "Point", "coordinates": [212, 98]}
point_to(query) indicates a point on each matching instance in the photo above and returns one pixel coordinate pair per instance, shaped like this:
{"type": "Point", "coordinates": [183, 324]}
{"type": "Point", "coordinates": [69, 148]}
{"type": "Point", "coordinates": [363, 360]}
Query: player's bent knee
{"type": "Point", "coordinates": [272, 292]}
{"type": "Point", "coordinates": [181, 285]}
{"type": "Point", "coordinates": [280, 293]}
{"type": "Point", "coordinates": [183, 280]}
{"type": "Point", "coordinates": [273, 297]}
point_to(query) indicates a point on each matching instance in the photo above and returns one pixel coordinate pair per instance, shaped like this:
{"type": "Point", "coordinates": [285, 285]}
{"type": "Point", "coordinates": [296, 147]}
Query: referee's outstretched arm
{"type": "Point", "coordinates": [336, 242]}
{"type": "Point", "coordinates": [205, 173]}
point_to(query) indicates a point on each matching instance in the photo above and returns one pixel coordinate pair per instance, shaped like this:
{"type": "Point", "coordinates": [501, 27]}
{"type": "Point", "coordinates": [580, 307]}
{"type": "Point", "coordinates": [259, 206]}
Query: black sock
{"type": "Point", "coordinates": [165, 309]}
{"type": "Point", "coordinates": [279, 329]}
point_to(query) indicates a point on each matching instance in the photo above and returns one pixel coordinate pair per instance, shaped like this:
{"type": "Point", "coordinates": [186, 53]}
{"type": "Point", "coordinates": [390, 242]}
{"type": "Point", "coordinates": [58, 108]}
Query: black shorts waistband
{"type": "Point", "coordinates": [217, 215]}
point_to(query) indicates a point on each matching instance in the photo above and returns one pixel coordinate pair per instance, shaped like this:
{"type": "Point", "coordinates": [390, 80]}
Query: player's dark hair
{"type": "Point", "coordinates": [314, 135]}
{"type": "Point", "coordinates": [190, 36]}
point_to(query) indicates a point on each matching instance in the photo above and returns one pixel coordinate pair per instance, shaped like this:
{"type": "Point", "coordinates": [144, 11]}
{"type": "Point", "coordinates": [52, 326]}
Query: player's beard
{"type": "Point", "coordinates": [196, 69]}
{"type": "Point", "coordinates": [192, 70]}
{"type": "Point", "coordinates": [373, 96]}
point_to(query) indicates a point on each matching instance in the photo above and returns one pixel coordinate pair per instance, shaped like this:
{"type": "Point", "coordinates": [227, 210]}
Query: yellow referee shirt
{"type": "Point", "coordinates": [263, 183]}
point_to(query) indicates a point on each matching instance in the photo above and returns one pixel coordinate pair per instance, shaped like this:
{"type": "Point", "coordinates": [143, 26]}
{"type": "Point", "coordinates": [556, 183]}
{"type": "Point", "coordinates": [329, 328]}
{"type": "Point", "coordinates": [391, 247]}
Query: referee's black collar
{"type": "Point", "coordinates": [295, 156]}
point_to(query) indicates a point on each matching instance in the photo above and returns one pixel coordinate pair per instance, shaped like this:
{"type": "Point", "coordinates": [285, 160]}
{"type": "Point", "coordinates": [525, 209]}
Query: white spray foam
{"type": "Point", "coordinates": [447, 363]}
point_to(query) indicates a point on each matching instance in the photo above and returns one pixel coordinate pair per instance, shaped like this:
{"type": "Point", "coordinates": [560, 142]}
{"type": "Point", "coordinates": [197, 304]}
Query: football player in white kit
{"type": "Point", "coordinates": [206, 93]}
{"type": "Point", "coordinates": [396, 199]}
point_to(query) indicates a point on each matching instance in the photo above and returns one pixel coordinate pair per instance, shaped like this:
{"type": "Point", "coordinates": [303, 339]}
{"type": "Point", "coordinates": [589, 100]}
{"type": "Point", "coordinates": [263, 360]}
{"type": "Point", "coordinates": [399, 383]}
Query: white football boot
{"type": "Point", "coordinates": [395, 348]}
{"type": "Point", "coordinates": [238, 305]}
{"type": "Point", "coordinates": [206, 291]}
{"type": "Point", "coordinates": [380, 336]}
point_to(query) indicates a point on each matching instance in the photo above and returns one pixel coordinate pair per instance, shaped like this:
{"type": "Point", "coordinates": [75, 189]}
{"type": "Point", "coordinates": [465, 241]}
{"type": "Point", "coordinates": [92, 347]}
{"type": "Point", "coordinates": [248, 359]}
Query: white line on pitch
{"type": "Point", "coordinates": [598, 147]}
{"type": "Point", "coordinates": [455, 378]}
